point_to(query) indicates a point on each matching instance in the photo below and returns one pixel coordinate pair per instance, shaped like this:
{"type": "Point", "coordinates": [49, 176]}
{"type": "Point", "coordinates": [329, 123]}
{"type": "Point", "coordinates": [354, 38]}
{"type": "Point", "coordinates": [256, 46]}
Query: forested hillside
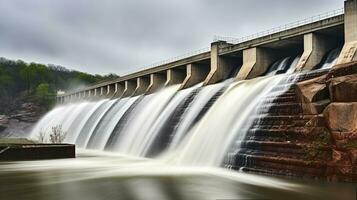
{"type": "Point", "coordinates": [38, 83]}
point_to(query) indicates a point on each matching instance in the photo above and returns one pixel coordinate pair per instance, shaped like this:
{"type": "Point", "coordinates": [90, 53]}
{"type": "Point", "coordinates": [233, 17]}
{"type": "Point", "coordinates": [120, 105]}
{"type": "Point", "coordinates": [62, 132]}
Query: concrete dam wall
{"type": "Point", "coordinates": [283, 103]}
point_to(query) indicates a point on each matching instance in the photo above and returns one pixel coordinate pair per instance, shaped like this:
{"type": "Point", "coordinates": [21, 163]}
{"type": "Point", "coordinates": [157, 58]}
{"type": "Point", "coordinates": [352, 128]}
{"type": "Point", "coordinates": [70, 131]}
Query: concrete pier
{"type": "Point", "coordinates": [348, 53]}
{"type": "Point", "coordinates": [157, 81]}
{"type": "Point", "coordinates": [195, 73]}
{"type": "Point", "coordinates": [175, 76]}
{"type": "Point", "coordinates": [315, 48]}
{"type": "Point", "coordinates": [220, 67]}
{"type": "Point", "coordinates": [130, 86]}
{"type": "Point", "coordinates": [142, 84]}
{"type": "Point", "coordinates": [256, 62]}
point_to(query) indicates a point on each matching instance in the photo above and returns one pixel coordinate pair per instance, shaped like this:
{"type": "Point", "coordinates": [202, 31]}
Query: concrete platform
{"type": "Point", "coordinates": [23, 149]}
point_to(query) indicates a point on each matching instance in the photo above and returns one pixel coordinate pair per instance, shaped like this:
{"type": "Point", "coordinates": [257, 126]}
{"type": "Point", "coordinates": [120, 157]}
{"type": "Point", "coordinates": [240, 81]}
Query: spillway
{"type": "Point", "coordinates": [200, 125]}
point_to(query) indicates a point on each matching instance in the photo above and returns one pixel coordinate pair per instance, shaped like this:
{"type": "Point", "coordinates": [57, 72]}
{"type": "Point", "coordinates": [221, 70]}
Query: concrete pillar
{"type": "Point", "coordinates": [315, 48]}
{"type": "Point", "coordinates": [220, 67]}
{"type": "Point", "coordinates": [88, 94]}
{"type": "Point", "coordinates": [255, 62]}
{"type": "Point", "coordinates": [195, 73]}
{"type": "Point", "coordinates": [110, 90]}
{"type": "Point", "coordinates": [348, 53]}
{"type": "Point", "coordinates": [142, 84]}
{"type": "Point", "coordinates": [103, 91]}
{"type": "Point", "coordinates": [119, 89]}
{"type": "Point", "coordinates": [175, 76]}
{"type": "Point", "coordinates": [130, 86]}
{"type": "Point", "coordinates": [96, 92]}
{"type": "Point", "coordinates": [157, 81]}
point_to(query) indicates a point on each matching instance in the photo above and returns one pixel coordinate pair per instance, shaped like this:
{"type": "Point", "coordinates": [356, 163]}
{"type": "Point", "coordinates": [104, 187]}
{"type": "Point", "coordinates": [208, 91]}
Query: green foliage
{"type": "Point", "coordinates": [44, 96]}
{"type": "Point", "coordinates": [319, 147]}
{"type": "Point", "coordinates": [20, 80]}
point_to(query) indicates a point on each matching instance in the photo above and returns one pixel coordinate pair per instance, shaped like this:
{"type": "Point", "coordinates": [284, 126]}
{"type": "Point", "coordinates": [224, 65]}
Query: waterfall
{"type": "Point", "coordinates": [201, 125]}
{"type": "Point", "coordinates": [106, 126]}
{"type": "Point", "coordinates": [208, 141]}
{"type": "Point", "coordinates": [134, 136]}
{"type": "Point", "coordinates": [284, 65]}
{"type": "Point", "coordinates": [92, 122]}
{"type": "Point", "coordinates": [196, 109]}
{"type": "Point", "coordinates": [331, 58]}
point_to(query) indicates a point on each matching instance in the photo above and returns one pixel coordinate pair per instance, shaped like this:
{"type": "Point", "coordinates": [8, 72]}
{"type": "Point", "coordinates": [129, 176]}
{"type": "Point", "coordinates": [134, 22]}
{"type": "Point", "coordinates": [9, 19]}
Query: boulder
{"type": "Point", "coordinates": [343, 89]}
{"type": "Point", "coordinates": [313, 95]}
{"type": "Point", "coordinates": [343, 70]}
{"type": "Point", "coordinates": [341, 117]}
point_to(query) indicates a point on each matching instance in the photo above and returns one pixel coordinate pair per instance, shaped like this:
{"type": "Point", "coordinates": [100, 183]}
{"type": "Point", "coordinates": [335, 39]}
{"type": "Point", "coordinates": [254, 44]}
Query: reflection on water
{"type": "Point", "coordinates": [95, 175]}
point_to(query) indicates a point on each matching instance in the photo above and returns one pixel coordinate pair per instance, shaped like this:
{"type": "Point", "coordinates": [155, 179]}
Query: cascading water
{"type": "Point", "coordinates": [285, 65]}
{"type": "Point", "coordinates": [134, 135]}
{"type": "Point", "coordinates": [158, 136]}
{"type": "Point", "coordinates": [102, 132]}
{"type": "Point", "coordinates": [92, 122]}
{"type": "Point", "coordinates": [331, 58]}
{"type": "Point", "coordinates": [196, 109]}
{"type": "Point", "coordinates": [207, 142]}
{"type": "Point", "coordinates": [194, 126]}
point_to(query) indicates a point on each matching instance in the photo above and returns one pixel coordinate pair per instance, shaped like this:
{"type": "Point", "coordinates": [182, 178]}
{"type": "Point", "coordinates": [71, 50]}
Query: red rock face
{"type": "Point", "coordinates": [344, 89]}
{"type": "Point", "coordinates": [310, 131]}
{"type": "Point", "coordinates": [341, 117]}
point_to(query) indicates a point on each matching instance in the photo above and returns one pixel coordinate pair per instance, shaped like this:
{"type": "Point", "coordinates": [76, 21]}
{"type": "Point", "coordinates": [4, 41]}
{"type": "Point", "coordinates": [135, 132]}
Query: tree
{"type": "Point", "coordinates": [43, 95]}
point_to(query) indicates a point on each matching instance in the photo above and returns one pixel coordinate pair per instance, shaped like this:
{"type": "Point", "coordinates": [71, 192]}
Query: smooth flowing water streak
{"type": "Point", "coordinates": [134, 135]}
{"type": "Point", "coordinates": [331, 58]}
{"type": "Point", "coordinates": [80, 121]}
{"type": "Point", "coordinates": [293, 65]}
{"type": "Point", "coordinates": [284, 65]}
{"type": "Point", "coordinates": [92, 122]}
{"type": "Point", "coordinates": [195, 109]}
{"type": "Point", "coordinates": [105, 129]}
{"type": "Point", "coordinates": [158, 136]}
{"type": "Point", "coordinates": [51, 120]}
{"type": "Point", "coordinates": [210, 139]}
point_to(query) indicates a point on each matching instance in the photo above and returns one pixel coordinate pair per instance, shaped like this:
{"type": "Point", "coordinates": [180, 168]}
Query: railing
{"type": "Point", "coordinates": [296, 24]}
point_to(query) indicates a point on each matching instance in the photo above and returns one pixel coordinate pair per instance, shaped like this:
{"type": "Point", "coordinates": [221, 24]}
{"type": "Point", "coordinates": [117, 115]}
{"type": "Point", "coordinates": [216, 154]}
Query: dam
{"type": "Point", "coordinates": [263, 104]}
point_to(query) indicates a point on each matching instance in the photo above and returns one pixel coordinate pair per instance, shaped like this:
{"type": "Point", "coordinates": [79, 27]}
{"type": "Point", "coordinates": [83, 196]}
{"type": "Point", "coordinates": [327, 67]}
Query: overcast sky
{"type": "Point", "coordinates": [117, 36]}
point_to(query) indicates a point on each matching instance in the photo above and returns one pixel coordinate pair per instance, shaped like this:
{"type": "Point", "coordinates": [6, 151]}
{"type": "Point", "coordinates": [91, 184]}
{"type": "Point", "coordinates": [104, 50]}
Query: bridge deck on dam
{"type": "Point", "coordinates": [293, 35]}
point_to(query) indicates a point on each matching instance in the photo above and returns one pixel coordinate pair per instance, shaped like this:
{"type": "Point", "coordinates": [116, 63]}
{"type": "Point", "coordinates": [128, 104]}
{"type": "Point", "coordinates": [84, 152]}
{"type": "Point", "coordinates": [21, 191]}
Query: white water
{"type": "Point", "coordinates": [332, 58]}
{"type": "Point", "coordinates": [134, 135]}
{"type": "Point", "coordinates": [211, 138]}
{"type": "Point", "coordinates": [208, 120]}
{"type": "Point", "coordinates": [92, 122]}
{"type": "Point", "coordinates": [107, 128]}
{"type": "Point", "coordinates": [285, 65]}
{"type": "Point", "coordinates": [193, 110]}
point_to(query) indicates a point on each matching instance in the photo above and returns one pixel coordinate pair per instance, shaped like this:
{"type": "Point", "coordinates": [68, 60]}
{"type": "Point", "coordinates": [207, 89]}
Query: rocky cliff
{"type": "Point", "coordinates": [20, 122]}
